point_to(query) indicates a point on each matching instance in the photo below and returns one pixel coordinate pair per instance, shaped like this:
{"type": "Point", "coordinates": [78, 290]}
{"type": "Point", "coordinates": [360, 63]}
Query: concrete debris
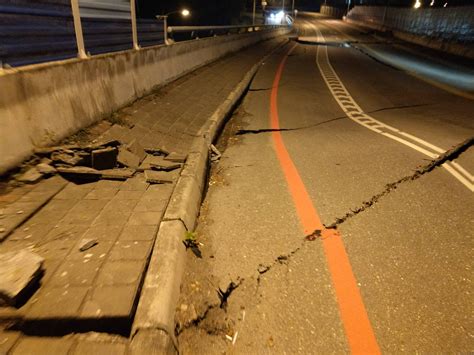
{"type": "Point", "coordinates": [45, 169]}
{"type": "Point", "coordinates": [158, 177]}
{"type": "Point", "coordinates": [156, 151]}
{"type": "Point", "coordinates": [86, 244]}
{"type": "Point", "coordinates": [176, 157]}
{"type": "Point", "coordinates": [80, 171]}
{"type": "Point", "coordinates": [117, 174]}
{"type": "Point", "coordinates": [128, 159]}
{"type": "Point", "coordinates": [66, 157]}
{"type": "Point", "coordinates": [164, 165]}
{"type": "Point", "coordinates": [116, 155]}
{"type": "Point", "coordinates": [19, 271]}
{"type": "Point", "coordinates": [215, 154]}
{"type": "Point", "coordinates": [31, 176]}
{"type": "Point", "coordinates": [105, 158]}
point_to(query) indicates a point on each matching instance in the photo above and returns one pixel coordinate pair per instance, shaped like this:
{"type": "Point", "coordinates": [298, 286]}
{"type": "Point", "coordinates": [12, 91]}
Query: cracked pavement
{"type": "Point", "coordinates": [263, 284]}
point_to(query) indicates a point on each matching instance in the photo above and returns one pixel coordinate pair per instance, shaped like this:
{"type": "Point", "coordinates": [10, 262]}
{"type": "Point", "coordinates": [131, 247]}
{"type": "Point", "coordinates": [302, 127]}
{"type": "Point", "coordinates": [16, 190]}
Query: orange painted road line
{"type": "Point", "coordinates": [359, 332]}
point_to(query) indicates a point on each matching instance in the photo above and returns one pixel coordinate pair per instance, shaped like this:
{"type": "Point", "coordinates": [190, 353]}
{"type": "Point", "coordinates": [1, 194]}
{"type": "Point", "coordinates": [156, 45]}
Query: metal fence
{"type": "Point", "coordinates": [49, 30]}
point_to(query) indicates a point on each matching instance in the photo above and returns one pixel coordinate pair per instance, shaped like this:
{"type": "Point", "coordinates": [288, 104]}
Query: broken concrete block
{"type": "Point", "coordinates": [128, 159]}
{"type": "Point", "coordinates": [119, 133]}
{"type": "Point", "coordinates": [31, 176]}
{"type": "Point", "coordinates": [137, 149]}
{"type": "Point", "coordinates": [80, 171]}
{"type": "Point", "coordinates": [104, 158]}
{"type": "Point", "coordinates": [118, 174]}
{"type": "Point", "coordinates": [176, 157]}
{"type": "Point", "coordinates": [19, 270]}
{"type": "Point", "coordinates": [159, 177]}
{"type": "Point", "coordinates": [156, 151]}
{"type": "Point", "coordinates": [86, 244]}
{"type": "Point", "coordinates": [45, 169]}
{"type": "Point", "coordinates": [69, 158]}
{"type": "Point", "coordinates": [152, 162]}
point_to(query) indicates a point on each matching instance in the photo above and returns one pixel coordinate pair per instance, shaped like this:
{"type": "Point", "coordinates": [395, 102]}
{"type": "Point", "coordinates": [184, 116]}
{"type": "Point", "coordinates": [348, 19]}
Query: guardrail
{"type": "Point", "coordinates": [42, 31]}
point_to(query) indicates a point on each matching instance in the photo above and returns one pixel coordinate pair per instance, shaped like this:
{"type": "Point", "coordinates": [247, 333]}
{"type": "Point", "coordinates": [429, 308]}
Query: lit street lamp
{"type": "Point", "coordinates": [184, 13]}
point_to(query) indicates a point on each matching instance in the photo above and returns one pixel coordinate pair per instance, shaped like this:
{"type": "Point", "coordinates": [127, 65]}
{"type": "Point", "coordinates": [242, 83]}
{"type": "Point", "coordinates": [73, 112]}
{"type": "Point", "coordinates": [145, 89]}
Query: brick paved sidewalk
{"type": "Point", "coordinates": [98, 290]}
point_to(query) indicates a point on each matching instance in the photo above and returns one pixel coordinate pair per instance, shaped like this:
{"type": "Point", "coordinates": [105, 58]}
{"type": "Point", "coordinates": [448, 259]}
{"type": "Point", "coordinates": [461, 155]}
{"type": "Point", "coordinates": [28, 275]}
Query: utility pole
{"type": "Point", "coordinates": [283, 5]}
{"type": "Point", "coordinates": [293, 8]}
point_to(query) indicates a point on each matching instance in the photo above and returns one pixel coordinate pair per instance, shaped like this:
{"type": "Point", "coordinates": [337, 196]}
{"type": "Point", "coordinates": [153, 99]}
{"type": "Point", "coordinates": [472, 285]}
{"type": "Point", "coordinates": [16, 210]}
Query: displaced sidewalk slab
{"type": "Point", "coordinates": [19, 271]}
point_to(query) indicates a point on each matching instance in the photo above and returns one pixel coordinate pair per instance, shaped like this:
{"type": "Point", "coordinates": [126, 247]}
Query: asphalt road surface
{"type": "Point", "coordinates": [332, 223]}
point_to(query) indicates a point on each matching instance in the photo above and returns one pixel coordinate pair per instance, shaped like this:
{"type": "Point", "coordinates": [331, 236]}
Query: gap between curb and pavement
{"type": "Point", "coordinates": [153, 326]}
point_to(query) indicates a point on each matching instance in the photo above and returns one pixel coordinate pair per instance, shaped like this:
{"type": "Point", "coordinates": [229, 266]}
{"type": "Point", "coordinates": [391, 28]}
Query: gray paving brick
{"type": "Point", "coordinates": [145, 218]}
{"type": "Point", "coordinates": [130, 250]}
{"type": "Point", "coordinates": [108, 184]}
{"type": "Point", "coordinates": [98, 194]}
{"type": "Point", "coordinates": [103, 233]}
{"type": "Point", "coordinates": [128, 195]}
{"type": "Point", "coordinates": [137, 183]}
{"type": "Point", "coordinates": [98, 251]}
{"type": "Point", "coordinates": [43, 346]}
{"type": "Point", "coordinates": [57, 302]}
{"type": "Point", "coordinates": [137, 233]}
{"type": "Point", "coordinates": [156, 205]}
{"type": "Point", "coordinates": [80, 217]}
{"type": "Point", "coordinates": [53, 249]}
{"type": "Point", "coordinates": [100, 348]}
{"type": "Point", "coordinates": [121, 205]}
{"type": "Point", "coordinates": [110, 301]}
{"type": "Point", "coordinates": [76, 273]}
{"type": "Point", "coordinates": [74, 192]}
{"type": "Point", "coordinates": [32, 232]}
{"type": "Point", "coordinates": [112, 218]}
{"type": "Point", "coordinates": [120, 273]}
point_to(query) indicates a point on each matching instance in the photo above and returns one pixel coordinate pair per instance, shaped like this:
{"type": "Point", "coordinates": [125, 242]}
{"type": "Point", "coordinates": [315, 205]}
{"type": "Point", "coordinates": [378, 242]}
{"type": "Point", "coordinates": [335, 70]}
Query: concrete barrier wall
{"type": "Point", "coordinates": [449, 30]}
{"type": "Point", "coordinates": [336, 12]}
{"type": "Point", "coordinates": [42, 104]}
{"type": "Point", "coordinates": [454, 24]}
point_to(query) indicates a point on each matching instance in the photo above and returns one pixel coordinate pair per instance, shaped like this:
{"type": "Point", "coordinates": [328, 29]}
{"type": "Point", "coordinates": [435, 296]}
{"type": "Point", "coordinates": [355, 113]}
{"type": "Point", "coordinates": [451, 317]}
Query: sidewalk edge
{"type": "Point", "coordinates": [154, 320]}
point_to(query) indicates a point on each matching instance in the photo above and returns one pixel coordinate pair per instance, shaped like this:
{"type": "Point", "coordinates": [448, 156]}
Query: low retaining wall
{"type": "Point", "coordinates": [336, 12]}
{"type": "Point", "coordinates": [448, 29]}
{"type": "Point", "coordinates": [42, 104]}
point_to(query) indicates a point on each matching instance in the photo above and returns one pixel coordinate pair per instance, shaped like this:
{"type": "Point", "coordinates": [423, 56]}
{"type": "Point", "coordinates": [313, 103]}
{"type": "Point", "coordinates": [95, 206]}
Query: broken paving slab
{"type": "Point", "coordinates": [31, 176]}
{"type": "Point", "coordinates": [80, 172]}
{"type": "Point", "coordinates": [176, 157]}
{"type": "Point", "coordinates": [118, 174]}
{"type": "Point", "coordinates": [160, 177]}
{"type": "Point", "coordinates": [45, 169]}
{"type": "Point", "coordinates": [105, 158]}
{"type": "Point", "coordinates": [19, 272]}
{"type": "Point", "coordinates": [136, 148]}
{"type": "Point", "coordinates": [118, 133]}
{"type": "Point", "coordinates": [128, 159]}
{"type": "Point", "coordinates": [158, 163]}
{"type": "Point", "coordinates": [69, 158]}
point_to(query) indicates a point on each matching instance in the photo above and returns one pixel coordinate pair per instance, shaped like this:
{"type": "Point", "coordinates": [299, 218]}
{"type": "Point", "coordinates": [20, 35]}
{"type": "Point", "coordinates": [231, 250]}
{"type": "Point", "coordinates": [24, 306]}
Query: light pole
{"type": "Point", "coordinates": [253, 15]}
{"type": "Point", "coordinates": [184, 13]}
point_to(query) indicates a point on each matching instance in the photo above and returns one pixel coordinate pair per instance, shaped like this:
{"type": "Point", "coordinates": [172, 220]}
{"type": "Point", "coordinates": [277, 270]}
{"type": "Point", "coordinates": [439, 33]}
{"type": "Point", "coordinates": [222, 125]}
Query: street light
{"type": "Point", "coordinates": [183, 12]}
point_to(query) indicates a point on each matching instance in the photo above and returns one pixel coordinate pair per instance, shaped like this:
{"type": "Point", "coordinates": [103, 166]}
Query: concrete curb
{"type": "Point", "coordinates": [154, 324]}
